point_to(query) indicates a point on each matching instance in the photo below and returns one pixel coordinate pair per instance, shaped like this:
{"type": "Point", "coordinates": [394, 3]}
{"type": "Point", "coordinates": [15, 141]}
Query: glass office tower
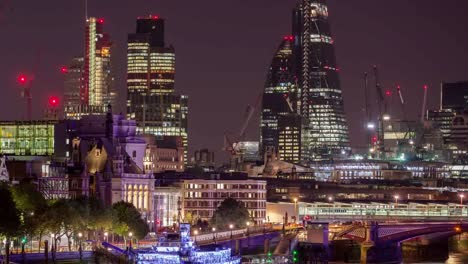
{"type": "Point", "coordinates": [324, 132]}
{"type": "Point", "coordinates": [276, 101]}
{"type": "Point", "coordinates": [151, 98]}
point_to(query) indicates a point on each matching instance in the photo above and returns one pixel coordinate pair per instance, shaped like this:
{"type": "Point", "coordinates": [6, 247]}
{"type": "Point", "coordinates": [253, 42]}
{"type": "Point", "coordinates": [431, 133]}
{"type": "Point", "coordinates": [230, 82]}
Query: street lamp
{"type": "Point", "coordinates": [52, 238]}
{"type": "Point", "coordinates": [231, 226]}
{"type": "Point", "coordinates": [195, 233]}
{"type": "Point", "coordinates": [80, 249]}
{"type": "Point", "coordinates": [295, 207]}
{"type": "Point", "coordinates": [330, 200]}
{"type": "Point", "coordinates": [396, 203]}
{"type": "Point", "coordinates": [214, 234]}
{"type": "Point", "coordinates": [106, 236]}
{"type": "Point", "coordinates": [461, 202]}
{"type": "Point", "coordinates": [130, 234]}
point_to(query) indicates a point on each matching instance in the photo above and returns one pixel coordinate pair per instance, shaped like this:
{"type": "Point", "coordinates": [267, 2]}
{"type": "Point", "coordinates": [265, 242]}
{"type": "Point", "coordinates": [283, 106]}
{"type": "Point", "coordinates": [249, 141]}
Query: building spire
{"type": "Point", "coordinates": [86, 10]}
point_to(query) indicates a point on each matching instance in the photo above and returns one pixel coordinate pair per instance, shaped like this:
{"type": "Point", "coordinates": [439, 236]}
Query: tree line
{"type": "Point", "coordinates": [25, 215]}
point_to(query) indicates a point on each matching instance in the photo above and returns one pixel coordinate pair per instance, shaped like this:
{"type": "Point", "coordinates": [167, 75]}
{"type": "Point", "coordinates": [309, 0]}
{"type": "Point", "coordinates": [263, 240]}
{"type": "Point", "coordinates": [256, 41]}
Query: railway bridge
{"type": "Point", "coordinates": [382, 240]}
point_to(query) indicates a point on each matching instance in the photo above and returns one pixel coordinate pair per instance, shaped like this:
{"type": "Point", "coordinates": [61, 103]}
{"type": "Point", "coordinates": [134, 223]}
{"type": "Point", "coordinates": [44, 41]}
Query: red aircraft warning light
{"type": "Point", "coordinates": [425, 87]}
{"type": "Point", "coordinates": [53, 101]}
{"type": "Point", "coordinates": [388, 93]}
{"type": "Point", "coordinates": [101, 20]}
{"type": "Point", "coordinates": [63, 69]}
{"type": "Point", "coordinates": [22, 79]}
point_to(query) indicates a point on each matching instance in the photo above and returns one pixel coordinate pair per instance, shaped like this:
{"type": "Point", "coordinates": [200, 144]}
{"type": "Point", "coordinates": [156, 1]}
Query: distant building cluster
{"type": "Point", "coordinates": [303, 155]}
{"type": "Point", "coordinates": [303, 115]}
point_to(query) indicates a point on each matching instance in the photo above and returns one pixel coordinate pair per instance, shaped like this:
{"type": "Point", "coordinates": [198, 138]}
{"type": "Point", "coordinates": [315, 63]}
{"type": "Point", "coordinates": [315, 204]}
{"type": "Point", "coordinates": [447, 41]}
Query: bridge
{"type": "Point", "coordinates": [375, 211]}
{"type": "Point", "coordinates": [382, 240]}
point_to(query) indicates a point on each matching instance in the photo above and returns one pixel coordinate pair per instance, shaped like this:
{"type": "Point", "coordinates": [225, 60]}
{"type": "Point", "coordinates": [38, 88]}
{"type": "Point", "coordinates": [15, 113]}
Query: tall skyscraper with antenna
{"type": "Point", "coordinates": [90, 76]}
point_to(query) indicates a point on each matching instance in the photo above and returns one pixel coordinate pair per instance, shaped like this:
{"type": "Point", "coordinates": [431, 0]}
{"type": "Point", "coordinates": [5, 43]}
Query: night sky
{"type": "Point", "coordinates": [224, 48]}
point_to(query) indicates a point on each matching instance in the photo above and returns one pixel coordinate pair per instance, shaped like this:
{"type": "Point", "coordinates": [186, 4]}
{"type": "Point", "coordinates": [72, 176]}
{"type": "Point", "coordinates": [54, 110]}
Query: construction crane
{"type": "Point", "coordinates": [381, 114]}
{"type": "Point", "coordinates": [231, 144]}
{"type": "Point", "coordinates": [405, 119]}
{"type": "Point", "coordinates": [25, 81]}
{"type": "Point", "coordinates": [423, 110]}
{"type": "Point", "coordinates": [369, 125]}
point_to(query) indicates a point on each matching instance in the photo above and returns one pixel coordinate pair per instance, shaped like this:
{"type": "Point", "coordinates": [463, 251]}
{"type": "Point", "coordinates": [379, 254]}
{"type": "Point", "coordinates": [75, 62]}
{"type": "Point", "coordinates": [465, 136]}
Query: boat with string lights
{"type": "Point", "coordinates": [179, 248]}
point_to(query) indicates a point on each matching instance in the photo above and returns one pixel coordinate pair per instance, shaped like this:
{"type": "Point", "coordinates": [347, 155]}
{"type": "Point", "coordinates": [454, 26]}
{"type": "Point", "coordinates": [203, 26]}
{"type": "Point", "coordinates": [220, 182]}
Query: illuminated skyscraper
{"type": "Point", "coordinates": [279, 88]}
{"type": "Point", "coordinates": [97, 71]}
{"type": "Point", "coordinates": [451, 115]}
{"type": "Point", "coordinates": [151, 99]}
{"type": "Point", "coordinates": [324, 132]}
{"type": "Point", "coordinates": [90, 76]}
{"type": "Point", "coordinates": [73, 83]}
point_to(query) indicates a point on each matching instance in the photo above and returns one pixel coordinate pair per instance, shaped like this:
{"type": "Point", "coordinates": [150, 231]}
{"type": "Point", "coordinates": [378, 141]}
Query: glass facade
{"type": "Point", "coordinates": [454, 96]}
{"type": "Point", "coordinates": [97, 78]}
{"type": "Point", "coordinates": [26, 138]}
{"type": "Point", "coordinates": [276, 100]}
{"type": "Point", "coordinates": [73, 83]}
{"type": "Point", "coordinates": [324, 132]}
{"type": "Point", "coordinates": [151, 99]}
{"type": "Point", "coordinates": [88, 81]}
{"type": "Point", "coordinates": [289, 140]}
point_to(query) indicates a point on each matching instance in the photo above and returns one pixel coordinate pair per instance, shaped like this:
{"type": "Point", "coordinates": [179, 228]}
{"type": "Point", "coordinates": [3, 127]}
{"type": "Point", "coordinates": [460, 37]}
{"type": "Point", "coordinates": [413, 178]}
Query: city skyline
{"type": "Point", "coordinates": [445, 62]}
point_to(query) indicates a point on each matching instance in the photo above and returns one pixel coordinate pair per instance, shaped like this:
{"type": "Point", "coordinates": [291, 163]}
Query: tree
{"type": "Point", "coordinates": [188, 218]}
{"type": "Point", "coordinates": [9, 214]}
{"type": "Point", "coordinates": [95, 216]}
{"type": "Point", "coordinates": [27, 199]}
{"type": "Point", "coordinates": [64, 219]}
{"type": "Point", "coordinates": [230, 212]}
{"type": "Point", "coordinates": [31, 204]}
{"type": "Point", "coordinates": [126, 218]}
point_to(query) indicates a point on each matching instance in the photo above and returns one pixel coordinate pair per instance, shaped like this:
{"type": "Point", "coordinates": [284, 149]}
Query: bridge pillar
{"type": "Point", "coordinates": [371, 236]}
{"type": "Point", "coordinates": [365, 246]}
{"type": "Point", "coordinates": [266, 246]}
{"type": "Point", "coordinates": [237, 247]}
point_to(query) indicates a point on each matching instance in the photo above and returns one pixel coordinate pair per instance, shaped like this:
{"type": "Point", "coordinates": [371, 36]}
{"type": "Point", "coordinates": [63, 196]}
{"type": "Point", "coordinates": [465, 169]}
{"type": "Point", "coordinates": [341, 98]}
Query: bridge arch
{"type": "Point", "coordinates": [395, 233]}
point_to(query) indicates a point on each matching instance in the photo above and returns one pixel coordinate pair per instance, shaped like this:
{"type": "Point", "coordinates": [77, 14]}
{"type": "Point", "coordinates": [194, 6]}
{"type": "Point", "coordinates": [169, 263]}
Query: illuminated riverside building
{"type": "Point", "coordinates": [54, 181]}
{"type": "Point", "coordinates": [320, 101]}
{"type": "Point", "coordinates": [166, 205]}
{"type": "Point", "coordinates": [151, 99]}
{"type": "Point", "coordinates": [276, 101]}
{"type": "Point", "coordinates": [23, 138]}
{"type": "Point", "coordinates": [202, 197]}
{"type": "Point", "coordinates": [88, 81]}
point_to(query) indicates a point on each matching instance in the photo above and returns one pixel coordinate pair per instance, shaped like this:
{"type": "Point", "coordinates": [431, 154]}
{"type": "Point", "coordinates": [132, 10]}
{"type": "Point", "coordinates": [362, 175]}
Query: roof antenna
{"type": "Point", "coordinates": [86, 10]}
